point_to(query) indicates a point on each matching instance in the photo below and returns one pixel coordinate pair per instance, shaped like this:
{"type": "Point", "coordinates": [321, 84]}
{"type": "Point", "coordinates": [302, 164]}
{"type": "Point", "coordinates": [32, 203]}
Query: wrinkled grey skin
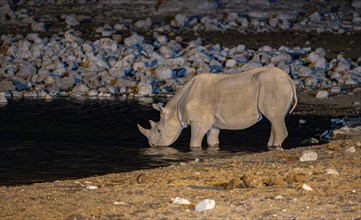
{"type": "Point", "coordinates": [210, 102]}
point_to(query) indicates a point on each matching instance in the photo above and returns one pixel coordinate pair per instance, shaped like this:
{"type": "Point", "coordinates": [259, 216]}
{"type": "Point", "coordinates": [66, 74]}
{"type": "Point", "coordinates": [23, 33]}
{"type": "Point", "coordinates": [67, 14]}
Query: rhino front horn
{"type": "Point", "coordinates": [143, 130]}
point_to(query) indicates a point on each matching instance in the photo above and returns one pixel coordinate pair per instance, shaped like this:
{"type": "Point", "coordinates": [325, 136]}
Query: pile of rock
{"type": "Point", "coordinates": [32, 66]}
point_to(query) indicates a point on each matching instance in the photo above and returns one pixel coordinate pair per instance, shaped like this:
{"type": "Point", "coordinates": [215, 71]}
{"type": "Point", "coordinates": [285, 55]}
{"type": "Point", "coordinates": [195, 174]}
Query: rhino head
{"type": "Point", "coordinates": [166, 131]}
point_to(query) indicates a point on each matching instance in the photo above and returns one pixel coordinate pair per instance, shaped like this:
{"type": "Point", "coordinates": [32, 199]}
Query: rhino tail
{"type": "Point", "coordinates": [294, 95]}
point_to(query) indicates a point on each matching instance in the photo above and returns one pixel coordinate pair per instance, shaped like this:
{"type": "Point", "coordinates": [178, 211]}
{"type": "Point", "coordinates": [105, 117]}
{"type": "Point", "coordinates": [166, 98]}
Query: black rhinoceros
{"type": "Point", "coordinates": [210, 102]}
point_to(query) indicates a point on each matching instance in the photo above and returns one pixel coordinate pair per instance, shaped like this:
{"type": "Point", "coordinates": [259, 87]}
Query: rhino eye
{"type": "Point", "coordinates": [158, 130]}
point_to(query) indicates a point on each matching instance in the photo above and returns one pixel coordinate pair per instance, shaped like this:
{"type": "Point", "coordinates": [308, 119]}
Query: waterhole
{"type": "Point", "coordinates": [68, 138]}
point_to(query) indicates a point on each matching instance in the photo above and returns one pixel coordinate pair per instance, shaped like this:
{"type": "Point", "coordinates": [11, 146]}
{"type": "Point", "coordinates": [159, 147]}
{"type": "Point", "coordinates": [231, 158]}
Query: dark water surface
{"type": "Point", "coordinates": [68, 138]}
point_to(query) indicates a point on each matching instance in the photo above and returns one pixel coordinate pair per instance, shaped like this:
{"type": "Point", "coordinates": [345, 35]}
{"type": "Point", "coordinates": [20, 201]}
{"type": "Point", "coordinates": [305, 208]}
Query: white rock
{"type": "Point", "coordinates": [145, 88]}
{"type": "Point", "coordinates": [180, 201]}
{"type": "Point", "coordinates": [180, 20]}
{"type": "Point", "coordinates": [273, 22]}
{"type": "Point", "coordinates": [31, 94]}
{"type": "Point", "coordinates": [162, 39]}
{"type": "Point", "coordinates": [279, 197]}
{"type": "Point", "coordinates": [231, 63]}
{"type": "Point", "coordinates": [71, 20]}
{"type": "Point", "coordinates": [6, 85]}
{"type": "Point", "coordinates": [26, 69]}
{"type": "Point", "coordinates": [133, 40]}
{"type": "Point", "coordinates": [356, 4]}
{"type": "Point", "coordinates": [3, 99]}
{"type": "Point", "coordinates": [92, 93]}
{"type": "Point", "coordinates": [321, 63]}
{"type": "Point", "coordinates": [350, 82]}
{"type": "Point", "coordinates": [336, 89]}
{"type": "Point", "coordinates": [205, 205]}
{"type": "Point", "coordinates": [302, 122]}
{"type": "Point", "coordinates": [286, 58]}
{"type": "Point", "coordinates": [164, 73]}
{"type": "Point", "coordinates": [313, 57]}
{"type": "Point", "coordinates": [48, 97]}
{"type": "Point", "coordinates": [351, 149]}
{"type": "Point", "coordinates": [308, 155]}
{"type": "Point", "coordinates": [49, 80]}
{"type": "Point", "coordinates": [38, 26]}
{"type": "Point", "coordinates": [332, 172]}
{"type": "Point", "coordinates": [92, 187]}
{"type": "Point", "coordinates": [322, 94]}
{"type": "Point", "coordinates": [306, 187]}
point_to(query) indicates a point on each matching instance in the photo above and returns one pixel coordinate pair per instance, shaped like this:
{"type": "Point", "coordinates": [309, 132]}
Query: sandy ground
{"type": "Point", "coordinates": [264, 185]}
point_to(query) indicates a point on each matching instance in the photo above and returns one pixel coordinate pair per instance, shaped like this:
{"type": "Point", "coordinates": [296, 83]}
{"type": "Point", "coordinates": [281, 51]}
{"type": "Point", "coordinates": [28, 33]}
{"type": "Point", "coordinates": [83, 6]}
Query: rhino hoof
{"type": "Point", "coordinates": [213, 145]}
{"type": "Point", "coordinates": [274, 148]}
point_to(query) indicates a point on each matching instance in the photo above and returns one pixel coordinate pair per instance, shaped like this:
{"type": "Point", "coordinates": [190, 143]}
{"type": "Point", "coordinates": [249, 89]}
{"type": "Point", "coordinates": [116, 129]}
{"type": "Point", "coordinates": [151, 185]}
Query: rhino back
{"type": "Point", "coordinates": [236, 101]}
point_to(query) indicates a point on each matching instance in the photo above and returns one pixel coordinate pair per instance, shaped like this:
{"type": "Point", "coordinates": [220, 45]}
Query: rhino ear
{"type": "Point", "coordinates": [152, 123]}
{"type": "Point", "coordinates": [158, 106]}
{"type": "Point", "coordinates": [144, 131]}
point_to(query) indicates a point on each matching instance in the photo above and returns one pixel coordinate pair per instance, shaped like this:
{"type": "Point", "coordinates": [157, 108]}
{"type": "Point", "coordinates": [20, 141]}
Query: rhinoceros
{"type": "Point", "coordinates": [210, 102]}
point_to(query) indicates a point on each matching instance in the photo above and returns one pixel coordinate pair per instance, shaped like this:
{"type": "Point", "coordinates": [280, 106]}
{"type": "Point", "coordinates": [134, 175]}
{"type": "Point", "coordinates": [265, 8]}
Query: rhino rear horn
{"type": "Point", "coordinates": [143, 130]}
{"type": "Point", "coordinates": [152, 123]}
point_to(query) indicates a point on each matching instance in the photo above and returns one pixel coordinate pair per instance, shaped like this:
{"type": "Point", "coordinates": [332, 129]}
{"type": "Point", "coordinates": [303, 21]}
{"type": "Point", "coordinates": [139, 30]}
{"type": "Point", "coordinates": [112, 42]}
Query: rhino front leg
{"type": "Point", "coordinates": [197, 133]}
{"type": "Point", "coordinates": [213, 137]}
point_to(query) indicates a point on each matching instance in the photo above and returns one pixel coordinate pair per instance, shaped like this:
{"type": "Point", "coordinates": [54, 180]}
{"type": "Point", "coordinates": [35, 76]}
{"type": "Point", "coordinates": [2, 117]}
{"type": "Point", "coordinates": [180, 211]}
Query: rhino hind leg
{"type": "Point", "coordinates": [213, 137]}
{"type": "Point", "coordinates": [278, 133]}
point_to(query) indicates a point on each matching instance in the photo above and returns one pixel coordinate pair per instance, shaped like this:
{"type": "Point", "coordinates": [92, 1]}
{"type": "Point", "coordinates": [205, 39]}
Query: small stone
{"type": "Point", "coordinates": [164, 73]}
{"type": "Point", "coordinates": [205, 205]}
{"type": "Point", "coordinates": [335, 89]}
{"type": "Point", "coordinates": [180, 201]}
{"type": "Point", "coordinates": [351, 149]}
{"type": "Point", "coordinates": [49, 80]}
{"type": "Point", "coordinates": [3, 99]}
{"type": "Point", "coordinates": [92, 187]}
{"type": "Point", "coordinates": [133, 40]}
{"type": "Point", "coordinates": [231, 63]}
{"type": "Point", "coordinates": [279, 197]}
{"type": "Point", "coordinates": [71, 20]}
{"type": "Point", "coordinates": [48, 97]}
{"type": "Point", "coordinates": [145, 89]}
{"type": "Point", "coordinates": [6, 86]}
{"type": "Point", "coordinates": [307, 187]}
{"type": "Point", "coordinates": [332, 172]}
{"type": "Point", "coordinates": [308, 155]}
{"type": "Point", "coordinates": [302, 122]}
{"type": "Point", "coordinates": [31, 94]}
{"type": "Point", "coordinates": [92, 93]}
{"type": "Point", "coordinates": [322, 94]}
{"type": "Point", "coordinates": [119, 203]}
